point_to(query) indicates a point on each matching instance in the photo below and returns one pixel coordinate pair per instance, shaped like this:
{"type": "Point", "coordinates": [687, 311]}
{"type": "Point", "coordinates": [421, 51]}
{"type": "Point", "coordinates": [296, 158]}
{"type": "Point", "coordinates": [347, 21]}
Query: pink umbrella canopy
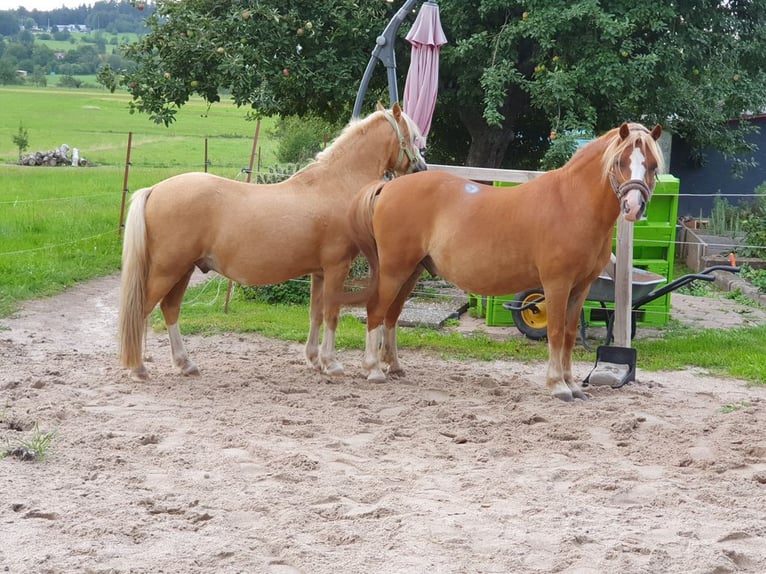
{"type": "Point", "coordinates": [427, 38]}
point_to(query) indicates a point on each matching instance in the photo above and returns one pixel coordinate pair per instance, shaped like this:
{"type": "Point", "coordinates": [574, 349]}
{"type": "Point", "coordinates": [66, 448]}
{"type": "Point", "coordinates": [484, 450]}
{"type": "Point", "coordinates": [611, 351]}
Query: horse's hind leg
{"type": "Point", "coordinates": [171, 308]}
{"type": "Point", "coordinates": [388, 350]}
{"type": "Point", "coordinates": [315, 321]}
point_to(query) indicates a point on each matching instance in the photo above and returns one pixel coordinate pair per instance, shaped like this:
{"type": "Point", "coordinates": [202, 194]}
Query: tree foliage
{"type": "Point", "coordinates": [297, 57]}
{"type": "Point", "coordinates": [513, 70]}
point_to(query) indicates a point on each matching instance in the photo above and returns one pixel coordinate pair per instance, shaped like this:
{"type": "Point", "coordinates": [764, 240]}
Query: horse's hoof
{"type": "Point", "coordinates": [377, 377]}
{"type": "Point", "coordinates": [334, 370]}
{"type": "Point", "coordinates": [565, 396]}
{"type": "Point", "coordinates": [140, 375]}
{"type": "Point", "coordinates": [578, 393]}
{"type": "Point", "coordinates": [190, 370]}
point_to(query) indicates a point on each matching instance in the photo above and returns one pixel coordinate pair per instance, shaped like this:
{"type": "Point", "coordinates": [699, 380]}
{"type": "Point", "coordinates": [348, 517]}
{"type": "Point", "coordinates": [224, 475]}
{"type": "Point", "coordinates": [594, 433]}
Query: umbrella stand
{"type": "Point", "coordinates": [384, 51]}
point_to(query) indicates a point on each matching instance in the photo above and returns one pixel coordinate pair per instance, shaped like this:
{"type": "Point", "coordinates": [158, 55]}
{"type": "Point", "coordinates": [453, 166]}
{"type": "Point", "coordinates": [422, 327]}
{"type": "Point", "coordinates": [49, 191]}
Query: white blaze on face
{"type": "Point", "coordinates": [633, 201]}
{"type": "Point", "coordinates": [637, 167]}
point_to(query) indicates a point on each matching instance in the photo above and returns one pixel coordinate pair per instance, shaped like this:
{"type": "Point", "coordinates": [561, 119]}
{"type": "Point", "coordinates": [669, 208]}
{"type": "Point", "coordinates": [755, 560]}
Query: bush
{"type": "Point", "coordinates": [561, 150]}
{"type": "Point", "coordinates": [301, 138]}
{"type": "Point", "coordinates": [756, 276]}
{"type": "Point", "coordinates": [293, 292]}
{"type": "Point", "coordinates": [753, 221]}
{"type": "Point", "coordinates": [70, 82]}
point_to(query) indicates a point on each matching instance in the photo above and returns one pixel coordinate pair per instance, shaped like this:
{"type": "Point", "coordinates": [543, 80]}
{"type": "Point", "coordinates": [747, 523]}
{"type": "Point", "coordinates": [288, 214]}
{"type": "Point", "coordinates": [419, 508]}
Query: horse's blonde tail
{"type": "Point", "coordinates": [360, 212]}
{"type": "Point", "coordinates": [135, 268]}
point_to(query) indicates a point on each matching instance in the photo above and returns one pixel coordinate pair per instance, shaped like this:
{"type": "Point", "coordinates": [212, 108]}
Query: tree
{"type": "Point", "coordinates": [280, 58]}
{"type": "Point", "coordinates": [513, 71]}
{"type": "Point", "coordinates": [21, 139]}
{"type": "Point", "coordinates": [9, 24]}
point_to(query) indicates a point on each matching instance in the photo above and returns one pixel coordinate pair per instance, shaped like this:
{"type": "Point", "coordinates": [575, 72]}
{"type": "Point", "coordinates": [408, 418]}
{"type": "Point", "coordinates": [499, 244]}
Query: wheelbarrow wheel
{"type": "Point", "coordinates": [532, 322]}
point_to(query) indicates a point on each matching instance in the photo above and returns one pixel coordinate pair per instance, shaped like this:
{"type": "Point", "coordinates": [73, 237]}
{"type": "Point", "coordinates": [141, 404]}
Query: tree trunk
{"type": "Point", "coordinates": [488, 144]}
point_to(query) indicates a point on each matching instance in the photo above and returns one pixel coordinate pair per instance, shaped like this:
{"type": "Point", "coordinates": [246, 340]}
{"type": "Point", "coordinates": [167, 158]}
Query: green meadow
{"type": "Point", "coordinates": [60, 226]}
{"type": "Point", "coordinates": [98, 123]}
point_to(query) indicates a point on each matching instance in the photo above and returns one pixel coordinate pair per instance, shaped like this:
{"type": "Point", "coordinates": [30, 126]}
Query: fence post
{"type": "Point", "coordinates": [125, 185]}
{"type": "Point", "coordinates": [623, 284]}
{"type": "Point", "coordinates": [249, 175]}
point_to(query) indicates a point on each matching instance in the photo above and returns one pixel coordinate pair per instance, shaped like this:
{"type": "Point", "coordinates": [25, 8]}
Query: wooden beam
{"type": "Point", "coordinates": [487, 173]}
{"type": "Point", "coordinates": [623, 283]}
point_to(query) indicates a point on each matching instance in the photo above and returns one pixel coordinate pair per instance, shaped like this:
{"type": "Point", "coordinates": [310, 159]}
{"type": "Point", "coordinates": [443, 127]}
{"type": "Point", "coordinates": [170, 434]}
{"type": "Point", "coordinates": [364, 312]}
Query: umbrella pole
{"type": "Point", "coordinates": [384, 51]}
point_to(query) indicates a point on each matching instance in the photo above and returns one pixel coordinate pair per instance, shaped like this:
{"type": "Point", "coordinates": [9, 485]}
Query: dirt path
{"type": "Point", "coordinates": [263, 466]}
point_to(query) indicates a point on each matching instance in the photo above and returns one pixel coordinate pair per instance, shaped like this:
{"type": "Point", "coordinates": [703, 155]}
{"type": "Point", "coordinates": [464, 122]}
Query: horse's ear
{"type": "Point", "coordinates": [656, 132]}
{"type": "Point", "coordinates": [624, 130]}
{"type": "Point", "coordinates": [380, 107]}
{"type": "Point", "coordinates": [397, 109]}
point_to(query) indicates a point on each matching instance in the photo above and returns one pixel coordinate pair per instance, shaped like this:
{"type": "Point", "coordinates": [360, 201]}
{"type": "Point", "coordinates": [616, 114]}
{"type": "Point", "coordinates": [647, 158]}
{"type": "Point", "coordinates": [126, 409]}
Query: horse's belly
{"type": "Point", "coordinates": [482, 273]}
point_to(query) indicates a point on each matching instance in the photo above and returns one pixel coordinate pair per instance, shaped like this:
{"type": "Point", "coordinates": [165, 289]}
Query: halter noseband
{"type": "Point", "coordinates": [404, 147]}
{"type": "Point", "coordinates": [622, 189]}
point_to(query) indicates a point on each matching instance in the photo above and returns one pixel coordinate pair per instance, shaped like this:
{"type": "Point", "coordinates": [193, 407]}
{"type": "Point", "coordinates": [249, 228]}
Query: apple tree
{"type": "Point", "coordinates": [514, 75]}
{"type": "Point", "coordinates": [277, 57]}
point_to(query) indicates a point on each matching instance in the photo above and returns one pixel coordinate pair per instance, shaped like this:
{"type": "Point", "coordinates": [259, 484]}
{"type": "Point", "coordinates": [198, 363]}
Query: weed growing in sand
{"type": "Point", "coordinates": [35, 448]}
{"type": "Point", "coordinates": [731, 407]}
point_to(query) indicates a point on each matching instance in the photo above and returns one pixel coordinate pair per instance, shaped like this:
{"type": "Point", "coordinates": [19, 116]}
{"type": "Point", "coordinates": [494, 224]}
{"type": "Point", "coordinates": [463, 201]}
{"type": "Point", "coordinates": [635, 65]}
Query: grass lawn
{"type": "Point", "coordinates": [98, 122]}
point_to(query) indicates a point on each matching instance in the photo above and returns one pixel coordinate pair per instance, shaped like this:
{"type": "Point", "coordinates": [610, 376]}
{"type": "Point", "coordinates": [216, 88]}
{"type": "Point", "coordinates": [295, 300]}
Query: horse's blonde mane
{"type": "Point", "coordinates": [359, 126]}
{"type": "Point", "coordinates": [615, 146]}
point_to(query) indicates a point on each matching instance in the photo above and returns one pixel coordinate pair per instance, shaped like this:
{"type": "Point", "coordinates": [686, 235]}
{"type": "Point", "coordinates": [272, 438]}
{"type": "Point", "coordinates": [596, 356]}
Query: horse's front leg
{"type": "Point", "coordinates": [555, 303]}
{"type": "Point", "coordinates": [574, 309]}
{"type": "Point", "coordinates": [315, 321]}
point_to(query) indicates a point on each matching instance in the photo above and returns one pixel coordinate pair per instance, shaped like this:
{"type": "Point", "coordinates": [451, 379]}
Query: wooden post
{"type": "Point", "coordinates": [207, 162]}
{"type": "Point", "coordinates": [249, 176]}
{"type": "Point", "coordinates": [125, 186]}
{"type": "Point", "coordinates": [623, 283]}
{"type": "Point", "coordinates": [255, 148]}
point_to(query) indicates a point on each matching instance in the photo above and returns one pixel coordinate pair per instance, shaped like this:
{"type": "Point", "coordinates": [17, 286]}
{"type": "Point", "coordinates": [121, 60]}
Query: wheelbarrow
{"type": "Point", "coordinates": [615, 366]}
{"type": "Point", "coordinates": [530, 316]}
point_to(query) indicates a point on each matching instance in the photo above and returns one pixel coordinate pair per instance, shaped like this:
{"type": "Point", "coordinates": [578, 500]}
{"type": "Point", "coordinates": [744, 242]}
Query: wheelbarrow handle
{"type": "Point", "coordinates": [704, 275]}
{"type": "Point", "coordinates": [517, 306]}
{"type": "Point", "coordinates": [729, 268]}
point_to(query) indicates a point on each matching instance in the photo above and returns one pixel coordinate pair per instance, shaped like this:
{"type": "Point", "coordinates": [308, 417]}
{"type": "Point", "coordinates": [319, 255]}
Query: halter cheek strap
{"type": "Point", "coordinates": [404, 147]}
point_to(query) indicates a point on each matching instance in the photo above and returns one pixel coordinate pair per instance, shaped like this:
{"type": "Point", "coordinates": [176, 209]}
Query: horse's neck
{"type": "Point", "coordinates": [352, 162]}
{"type": "Point", "coordinates": [594, 193]}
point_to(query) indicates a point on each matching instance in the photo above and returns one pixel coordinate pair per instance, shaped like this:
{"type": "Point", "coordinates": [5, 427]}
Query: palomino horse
{"type": "Point", "coordinates": [256, 234]}
{"type": "Point", "coordinates": [554, 231]}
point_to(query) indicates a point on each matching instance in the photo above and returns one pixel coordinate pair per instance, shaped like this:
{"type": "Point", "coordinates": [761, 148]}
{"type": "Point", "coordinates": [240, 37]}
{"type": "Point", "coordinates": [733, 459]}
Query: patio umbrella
{"type": "Point", "coordinates": [427, 38]}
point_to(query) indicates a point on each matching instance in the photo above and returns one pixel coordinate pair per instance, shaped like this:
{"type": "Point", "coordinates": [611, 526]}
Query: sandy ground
{"type": "Point", "coordinates": [261, 465]}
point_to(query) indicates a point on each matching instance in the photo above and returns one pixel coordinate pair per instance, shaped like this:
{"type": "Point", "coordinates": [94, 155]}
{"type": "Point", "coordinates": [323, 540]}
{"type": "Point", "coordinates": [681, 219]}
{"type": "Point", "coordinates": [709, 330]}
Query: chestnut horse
{"type": "Point", "coordinates": [554, 231]}
{"type": "Point", "coordinates": [256, 234]}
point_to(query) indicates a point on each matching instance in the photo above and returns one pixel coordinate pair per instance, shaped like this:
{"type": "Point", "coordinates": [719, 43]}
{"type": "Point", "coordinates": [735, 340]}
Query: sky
{"type": "Point", "coordinates": [42, 4]}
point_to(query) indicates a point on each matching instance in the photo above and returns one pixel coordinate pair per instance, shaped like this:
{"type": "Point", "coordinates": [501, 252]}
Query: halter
{"type": "Point", "coordinates": [404, 147]}
{"type": "Point", "coordinates": [622, 189]}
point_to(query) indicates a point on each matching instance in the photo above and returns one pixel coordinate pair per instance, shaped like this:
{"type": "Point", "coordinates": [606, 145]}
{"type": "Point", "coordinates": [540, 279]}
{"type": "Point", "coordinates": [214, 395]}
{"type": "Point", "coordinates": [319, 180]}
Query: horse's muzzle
{"type": "Point", "coordinates": [633, 211]}
{"type": "Point", "coordinates": [420, 165]}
